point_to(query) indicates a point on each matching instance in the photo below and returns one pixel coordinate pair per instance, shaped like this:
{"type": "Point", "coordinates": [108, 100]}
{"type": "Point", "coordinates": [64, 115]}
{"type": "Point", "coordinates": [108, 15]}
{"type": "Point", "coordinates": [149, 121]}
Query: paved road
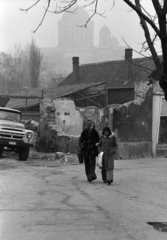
{"type": "Point", "coordinates": [44, 200]}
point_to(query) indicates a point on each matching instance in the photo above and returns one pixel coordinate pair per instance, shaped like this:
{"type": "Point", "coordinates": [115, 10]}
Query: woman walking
{"type": "Point", "coordinates": [108, 146]}
{"type": "Point", "coordinates": [87, 142]}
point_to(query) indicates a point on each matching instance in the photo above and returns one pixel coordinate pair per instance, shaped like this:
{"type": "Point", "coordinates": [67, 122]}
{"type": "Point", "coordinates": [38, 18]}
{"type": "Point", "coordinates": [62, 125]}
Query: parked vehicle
{"type": "Point", "coordinates": [13, 135]}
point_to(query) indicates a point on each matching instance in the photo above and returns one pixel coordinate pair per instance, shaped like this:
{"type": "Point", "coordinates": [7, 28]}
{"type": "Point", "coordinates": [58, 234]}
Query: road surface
{"type": "Point", "coordinates": [47, 200]}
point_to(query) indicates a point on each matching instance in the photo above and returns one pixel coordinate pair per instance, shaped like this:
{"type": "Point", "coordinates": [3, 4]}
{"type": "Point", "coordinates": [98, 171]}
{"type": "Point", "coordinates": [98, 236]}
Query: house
{"type": "Point", "coordinates": [134, 106]}
{"type": "Point", "coordinates": [116, 75]}
{"type": "Point", "coordinates": [34, 96]}
{"type": "Point", "coordinates": [114, 93]}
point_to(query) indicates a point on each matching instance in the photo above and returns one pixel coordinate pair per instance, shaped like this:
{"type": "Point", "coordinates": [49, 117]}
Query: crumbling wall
{"type": "Point", "coordinates": [134, 123]}
{"type": "Point", "coordinates": [133, 127]}
{"type": "Point", "coordinates": [61, 124]}
{"type": "Point", "coordinates": [100, 116]}
{"type": "Point", "coordinates": [59, 127]}
{"type": "Point", "coordinates": [134, 150]}
{"type": "Point", "coordinates": [67, 117]}
{"type": "Point", "coordinates": [51, 139]}
{"type": "Point", "coordinates": [92, 113]}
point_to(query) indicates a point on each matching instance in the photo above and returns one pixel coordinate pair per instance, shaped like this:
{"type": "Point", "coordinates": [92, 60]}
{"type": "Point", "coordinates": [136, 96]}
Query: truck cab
{"type": "Point", "coordinates": [13, 135]}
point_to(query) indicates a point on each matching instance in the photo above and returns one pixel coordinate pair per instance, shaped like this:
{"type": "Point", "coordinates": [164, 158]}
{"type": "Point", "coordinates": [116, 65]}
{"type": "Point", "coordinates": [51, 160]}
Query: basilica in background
{"type": "Point", "coordinates": [76, 40]}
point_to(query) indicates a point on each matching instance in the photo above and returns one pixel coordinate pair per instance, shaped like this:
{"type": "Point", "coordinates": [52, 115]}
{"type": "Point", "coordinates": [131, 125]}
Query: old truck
{"type": "Point", "coordinates": [13, 135]}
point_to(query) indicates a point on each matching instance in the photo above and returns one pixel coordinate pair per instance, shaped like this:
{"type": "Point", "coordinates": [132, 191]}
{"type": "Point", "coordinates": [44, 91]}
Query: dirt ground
{"type": "Point", "coordinates": [51, 200]}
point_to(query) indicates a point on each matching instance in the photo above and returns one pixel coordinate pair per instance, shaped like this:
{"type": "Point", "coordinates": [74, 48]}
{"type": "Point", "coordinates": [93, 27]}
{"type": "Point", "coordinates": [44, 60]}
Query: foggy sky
{"type": "Point", "coordinates": [17, 26]}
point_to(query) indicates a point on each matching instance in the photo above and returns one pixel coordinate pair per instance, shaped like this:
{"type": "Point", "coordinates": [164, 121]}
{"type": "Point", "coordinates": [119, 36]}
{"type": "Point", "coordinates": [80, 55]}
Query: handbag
{"type": "Point", "coordinates": [99, 160]}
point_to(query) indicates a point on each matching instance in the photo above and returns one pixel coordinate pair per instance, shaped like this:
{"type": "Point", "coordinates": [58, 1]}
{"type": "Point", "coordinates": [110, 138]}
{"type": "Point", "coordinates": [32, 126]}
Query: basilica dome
{"type": "Point", "coordinates": [105, 40]}
{"type": "Point", "coordinates": [71, 32]}
{"type": "Point", "coordinates": [77, 16]}
{"type": "Point", "coordinates": [105, 30]}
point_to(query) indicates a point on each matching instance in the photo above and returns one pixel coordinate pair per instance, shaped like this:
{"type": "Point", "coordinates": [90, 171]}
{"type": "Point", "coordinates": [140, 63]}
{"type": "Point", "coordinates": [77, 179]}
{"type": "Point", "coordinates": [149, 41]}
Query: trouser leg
{"type": "Point", "coordinates": [90, 165]}
{"type": "Point", "coordinates": [92, 168]}
{"type": "Point", "coordinates": [103, 174]}
{"type": "Point", "coordinates": [110, 176]}
{"type": "Point", "coordinates": [86, 161]}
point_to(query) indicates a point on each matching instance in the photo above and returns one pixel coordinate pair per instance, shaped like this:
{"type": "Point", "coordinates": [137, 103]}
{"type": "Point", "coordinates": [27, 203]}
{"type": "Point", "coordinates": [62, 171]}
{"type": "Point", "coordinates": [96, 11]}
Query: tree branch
{"type": "Point", "coordinates": [165, 7]}
{"type": "Point", "coordinates": [68, 6]}
{"type": "Point", "coordinates": [141, 14]}
{"type": "Point", "coordinates": [94, 13]}
{"type": "Point", "coordinates": [27, 9]}
{"type": "Point", "coordinates": [157, 6]}
{"type": "Point", "coordinates": [136, 50]}
{"type": "Point", "coordinates": [153, 17]}
{"type": "Point", "coordinates": [113, 5]}
{"type": "Point", "coordinates": [89, 4]}
{"type": "Point", "coordinates": [148, 38]}
{"type": "Point", "coordinates": [43, 17]}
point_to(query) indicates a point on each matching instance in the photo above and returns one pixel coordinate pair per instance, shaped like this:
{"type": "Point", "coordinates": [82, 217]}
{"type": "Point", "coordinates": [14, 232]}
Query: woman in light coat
{"type": "Point", "coordinates": [108, 146]}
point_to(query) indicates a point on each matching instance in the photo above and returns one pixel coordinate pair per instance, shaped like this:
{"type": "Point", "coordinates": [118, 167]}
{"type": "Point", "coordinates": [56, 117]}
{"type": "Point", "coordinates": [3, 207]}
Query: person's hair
{"type": "Point", "coordinates": [88, 125]}
{"type": "Point", "coordinates": [106, 129]}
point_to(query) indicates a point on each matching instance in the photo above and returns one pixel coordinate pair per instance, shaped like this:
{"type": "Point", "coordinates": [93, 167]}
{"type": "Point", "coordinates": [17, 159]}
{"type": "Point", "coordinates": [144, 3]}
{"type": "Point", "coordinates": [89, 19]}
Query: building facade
{"type": "Point", "coordinates": [74, 39]}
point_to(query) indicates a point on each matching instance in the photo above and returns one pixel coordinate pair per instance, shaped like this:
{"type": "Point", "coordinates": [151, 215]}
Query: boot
{"type": "Point", "coordinates": [109, 182]}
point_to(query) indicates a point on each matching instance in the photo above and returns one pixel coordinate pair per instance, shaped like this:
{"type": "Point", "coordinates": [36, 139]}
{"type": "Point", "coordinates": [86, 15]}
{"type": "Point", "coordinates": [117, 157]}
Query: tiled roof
{"type": "Point", "coordinates": [115, 73]}
{"type": "Point", "coordinates": [3, 101]}
{"type": "Point", "coordinates": [60, 91]}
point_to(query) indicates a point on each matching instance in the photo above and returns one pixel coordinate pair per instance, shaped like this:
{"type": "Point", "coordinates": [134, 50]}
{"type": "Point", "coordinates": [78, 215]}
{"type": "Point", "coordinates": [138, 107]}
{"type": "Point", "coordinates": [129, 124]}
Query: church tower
{"type": "Point", "coordinates": [105, 37]}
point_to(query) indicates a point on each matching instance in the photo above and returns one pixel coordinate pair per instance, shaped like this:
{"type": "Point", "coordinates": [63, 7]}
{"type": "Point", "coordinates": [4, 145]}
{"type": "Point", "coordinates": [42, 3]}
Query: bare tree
{"type": "Point", "coordinates": [5, 60]}
{"type": "Point", "coordinates": [35, 63]}
{"type": "Point", "coordinates": [155, 23]}
{"type": "Point", "coordinates": [19, 67]}
{"type": "Point", "coordinates": [23, 67]}
{"type": "Point", "coordinates": [13, 70]}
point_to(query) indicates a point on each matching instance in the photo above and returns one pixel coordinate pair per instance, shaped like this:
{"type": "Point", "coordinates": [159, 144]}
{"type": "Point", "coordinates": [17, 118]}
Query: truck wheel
{"type": "Point", "coordinates": [24, 153]}
{"type": "Point", "coordinates": [1, 151]}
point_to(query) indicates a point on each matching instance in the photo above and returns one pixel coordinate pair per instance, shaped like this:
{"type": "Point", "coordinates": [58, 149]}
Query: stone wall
{"type": "Point", "coordinates": [134, 123]}
{"type": "Point", "coordinates": [63, 114]}
{"type": "Point", "coordinates": [60, 126]}
{"type": "Point", "coordinates": [100, 116]}
{"type": "Point", "coordinates": [67, 117]}
{"type": "Point", "coordinates": [133, 128]}
{"type": "Point", "coordinates": [134, 150]}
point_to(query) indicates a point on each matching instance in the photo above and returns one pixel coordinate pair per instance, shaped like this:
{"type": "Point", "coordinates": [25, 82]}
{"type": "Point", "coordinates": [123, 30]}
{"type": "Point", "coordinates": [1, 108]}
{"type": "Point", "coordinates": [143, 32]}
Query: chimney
{"type": "Point", "coordinates": [76, 69]}
{"type": "Point", "coordinates": [128, 54]}
{"type": "Point", "coordinates": [128, 59]}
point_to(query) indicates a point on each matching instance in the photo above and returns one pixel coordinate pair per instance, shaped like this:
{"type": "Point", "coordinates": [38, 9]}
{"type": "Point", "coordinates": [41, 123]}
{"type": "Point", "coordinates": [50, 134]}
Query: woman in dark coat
{"type": "Point", "coordinates": [108, 146]}
{"type": "Point", "coordinates": [88, 140]}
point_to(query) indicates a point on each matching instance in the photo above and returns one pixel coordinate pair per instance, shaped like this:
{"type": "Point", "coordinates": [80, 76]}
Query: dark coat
{"type": "Point", "coordinates": [87, 142]}
{"type": "Point", "coordinates": [108, 145]}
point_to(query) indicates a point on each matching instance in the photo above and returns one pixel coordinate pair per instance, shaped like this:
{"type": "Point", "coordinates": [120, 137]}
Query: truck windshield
{"type": "Point", "coordinates": [9, 115]}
